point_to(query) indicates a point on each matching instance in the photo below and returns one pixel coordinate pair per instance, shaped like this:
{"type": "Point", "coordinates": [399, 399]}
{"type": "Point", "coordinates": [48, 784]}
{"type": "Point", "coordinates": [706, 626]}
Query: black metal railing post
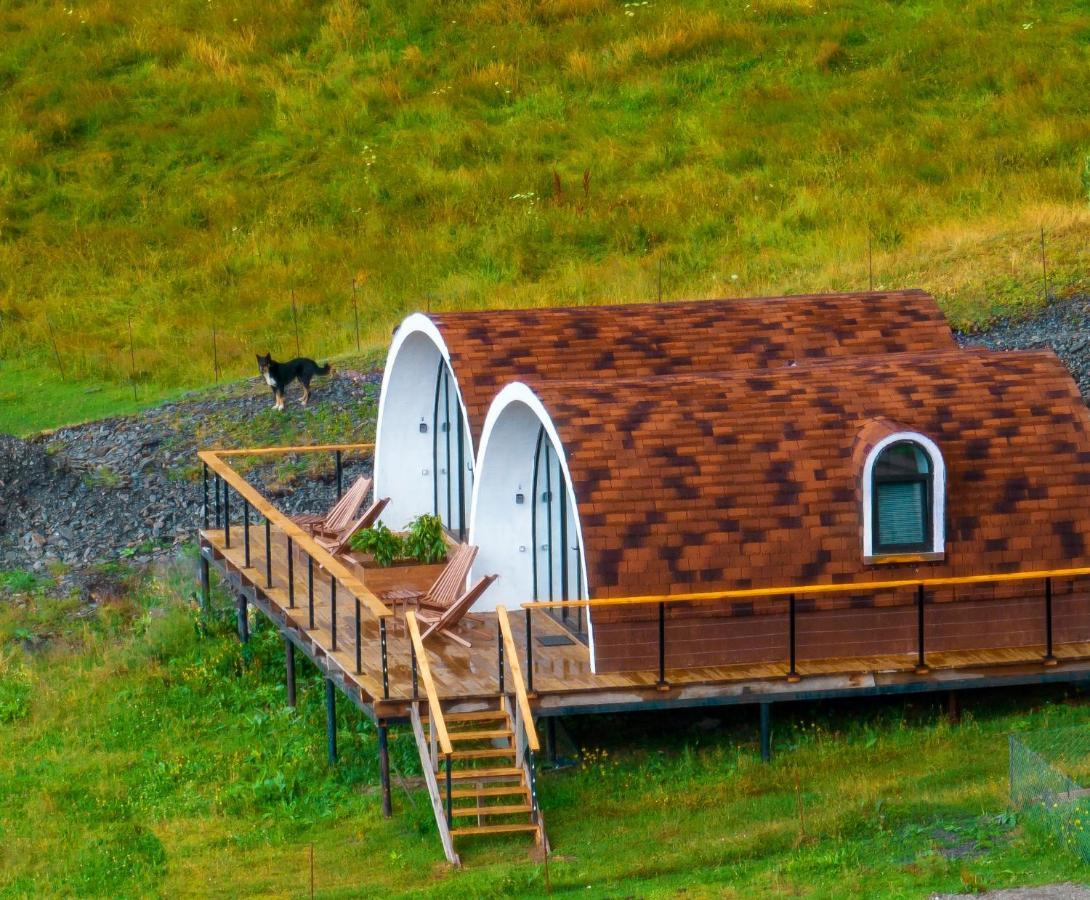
{"type": "Point", "coordinates": [529, 655]}
{"type": "Point", "coordinates": [533, 783]}
{"type": "Point", "coordinates": [333, 610]}
{"type": "Point", "coordinates": [268, 553]}
{"type": "Point", "coordinates": [385, 664]}
{"type": "Point", "coordinates": [499, 656]}
{"type": "Point", "coordinates": [291, 573]}
{"type": "Point", "coordinates": [1049, 659]}
{"type": "Point", "coordinates": [450, 798]}
{"type": "Point", "coordinates": [246, 531]}
{"type": "Point", "coordinates": [416, 681]}
{"type": "Point", "coordinates": [340, 470]}
{"type": "Point", "coordinates": [204, 495]}
{"type": "Point", "coordinates": [921, 664]}
{"type": "Point", "coordinates": [226, 516]}
{"type": "Point", "coordinates": [359, 655]}
{"type": "Point", "coordinates": [661, 684]}
{"type": "Point", "coordinates": [216, 495]}
{"type": "Point", "coordinates": [792, 672]}
{"type": "Point", "coordinates": [310, 588]}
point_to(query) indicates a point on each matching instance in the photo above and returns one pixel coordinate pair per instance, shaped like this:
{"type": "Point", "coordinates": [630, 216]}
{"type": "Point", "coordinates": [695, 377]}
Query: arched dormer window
{"type": "Point", "coordinates": [904, 488]}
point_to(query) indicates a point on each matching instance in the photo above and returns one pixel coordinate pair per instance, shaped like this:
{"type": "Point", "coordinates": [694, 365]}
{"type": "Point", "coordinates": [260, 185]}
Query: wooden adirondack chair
{"type": "Point", "coordinates": [447, 586]}
{"type": "Point", "coordinates": [338, 542]}
{"type": "Point", "coordinates": [445, 622]}
{"type": "Point", "coordinates": [341, 514]}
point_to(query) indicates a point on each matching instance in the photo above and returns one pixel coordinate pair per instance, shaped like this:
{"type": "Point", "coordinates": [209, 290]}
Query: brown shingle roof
{"type": "Point", "coordinates": [489, 349]}
{"type": "Point", "coordinates": [698, 483]}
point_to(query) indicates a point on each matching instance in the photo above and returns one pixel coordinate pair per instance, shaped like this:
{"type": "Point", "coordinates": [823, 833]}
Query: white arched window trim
{"type": "Point", "coordinates": [938, 499]}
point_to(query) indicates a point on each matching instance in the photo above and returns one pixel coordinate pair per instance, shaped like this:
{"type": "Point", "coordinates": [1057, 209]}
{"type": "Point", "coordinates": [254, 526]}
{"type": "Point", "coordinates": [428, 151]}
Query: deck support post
{"type": "Point", "coordinates": [766, 732]}
{"type": "Point", "coordinates": [792, 672]}
{"type": "Point", "coordinates": [921, 663]}
{"type": "Point", "coordinates": [953, 707]}
{"type": "Point", "coordinates": [206, 590]}
{"type": "Point", "coordinates": [243, 614]}
{"type": "Point", "coordinates": [331, 720]}
{"type": "Point", "coordinates": [662, 684]}
{"type": "Point", "coordinates": [289, 673]}
{"type": "Point", "coordinates": [384, 770]}
{"type": "Point", "coordinates": [550, 740]}
{"type": "Point", "coordinates": [1049, 659]}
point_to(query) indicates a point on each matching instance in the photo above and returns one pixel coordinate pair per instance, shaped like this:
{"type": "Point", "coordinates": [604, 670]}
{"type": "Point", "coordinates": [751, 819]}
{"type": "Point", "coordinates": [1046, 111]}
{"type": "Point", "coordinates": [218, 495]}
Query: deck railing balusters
{"type": "Point", "coordinates": [529, 656]}
{"type": "Point", "coordinates": [204, 495]}
{"type": "Point", "coordinates": [226, 516]}
{"type": "Point", "coordinates": [921, 664]}
{"type": "Point", "coordinates": [1049, 659]}
{"type": "Point", "coordinates": [340, 471]}
{"type": "Point", "coordinates": [792, 672]}
{"type": "Point", "coordinates": [333, 610]}
{"type": "Point", "coordinates": [359, 656]}
{"type": "Point", "coordinates": [246, 531]}
{"type": "Point", "coordinates": [662, 647]}
{"type": "Point", "coordinates": [310, 588]}
{"type": "Point", "coordinates": [216, 495]}
{"type": "Point", "coordinates": [416, 680]}
{"type": "Point", "coordinates": [385, 663]}
{"type": "Point", "coordinates": [499, 655]}
{"type": "Point", "coordinates": [291, 573]}
{"type": "Point", "coordinates": [268, 553]}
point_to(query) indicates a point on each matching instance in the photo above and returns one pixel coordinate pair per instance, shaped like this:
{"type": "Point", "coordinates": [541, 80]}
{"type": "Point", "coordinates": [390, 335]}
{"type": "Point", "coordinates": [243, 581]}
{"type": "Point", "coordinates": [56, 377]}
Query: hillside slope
{"type": "Point", "coordinates": [190, 165]}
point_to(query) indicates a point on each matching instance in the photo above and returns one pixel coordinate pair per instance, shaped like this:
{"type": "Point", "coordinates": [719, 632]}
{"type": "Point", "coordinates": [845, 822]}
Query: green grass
{"type": "Point", "coordinates": [188, 165]}
{"type": "Point", "coordinates": [144, 752]}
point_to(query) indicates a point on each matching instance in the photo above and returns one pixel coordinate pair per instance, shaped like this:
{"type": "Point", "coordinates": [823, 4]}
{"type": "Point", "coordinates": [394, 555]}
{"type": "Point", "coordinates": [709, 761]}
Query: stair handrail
{"type": "Point", "coordinates": [435, 711]}
{"type": "Point", "coordinates": [521, 697]}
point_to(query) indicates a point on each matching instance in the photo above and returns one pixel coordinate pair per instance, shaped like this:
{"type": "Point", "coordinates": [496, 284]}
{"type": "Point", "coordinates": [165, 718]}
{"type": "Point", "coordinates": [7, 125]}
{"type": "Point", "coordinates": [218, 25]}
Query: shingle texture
{"type": "Point", "coordinates": [751, 479]}
{"type": "Point", "coordinates": [489, 349]}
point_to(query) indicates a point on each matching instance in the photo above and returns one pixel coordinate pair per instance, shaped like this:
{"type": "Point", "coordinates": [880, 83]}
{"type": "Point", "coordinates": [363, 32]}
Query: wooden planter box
{"type": "Point", "coordinates": [402, 574]}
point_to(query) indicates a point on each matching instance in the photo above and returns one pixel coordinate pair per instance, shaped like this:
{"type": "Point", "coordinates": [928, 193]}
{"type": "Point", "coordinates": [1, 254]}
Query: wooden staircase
{"type": "Point", "coordinates": [490, 793]}
{"type": "Point", "coordinates": [478, 764]}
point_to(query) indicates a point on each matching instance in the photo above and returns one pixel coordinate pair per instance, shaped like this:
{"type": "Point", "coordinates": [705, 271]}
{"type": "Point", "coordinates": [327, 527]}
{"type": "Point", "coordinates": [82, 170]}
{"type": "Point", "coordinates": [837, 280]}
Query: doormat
{"type": "Point", "coordinates": [554, 640]}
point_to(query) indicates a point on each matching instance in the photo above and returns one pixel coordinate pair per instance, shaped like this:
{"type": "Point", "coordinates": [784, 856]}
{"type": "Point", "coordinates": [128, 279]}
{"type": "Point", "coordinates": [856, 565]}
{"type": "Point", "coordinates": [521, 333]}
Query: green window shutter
{"type": "Point", "coordinates": [901, 511]}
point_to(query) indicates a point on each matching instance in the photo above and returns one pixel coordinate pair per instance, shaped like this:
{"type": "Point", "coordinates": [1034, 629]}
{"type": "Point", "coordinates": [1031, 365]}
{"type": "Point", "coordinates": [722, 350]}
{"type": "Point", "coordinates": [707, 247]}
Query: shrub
{"type": "Point", "coordinates": [381, 543]}
{"type": "Point", "coordinates": [425, 541]}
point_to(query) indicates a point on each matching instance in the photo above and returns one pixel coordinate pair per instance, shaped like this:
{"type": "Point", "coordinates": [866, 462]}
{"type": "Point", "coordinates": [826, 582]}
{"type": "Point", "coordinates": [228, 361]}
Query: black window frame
{"type": "Point", "coordinates": [928, 481]}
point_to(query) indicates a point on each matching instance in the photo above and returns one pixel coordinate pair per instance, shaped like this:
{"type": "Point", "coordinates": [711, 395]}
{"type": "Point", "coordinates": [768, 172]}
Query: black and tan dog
{"type": "Point", "coordinates": [279, 375]}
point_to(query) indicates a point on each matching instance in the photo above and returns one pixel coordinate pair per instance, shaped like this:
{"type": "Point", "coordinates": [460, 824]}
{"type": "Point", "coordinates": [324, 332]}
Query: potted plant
{"type": "Point", "coordinates": [383, 555]}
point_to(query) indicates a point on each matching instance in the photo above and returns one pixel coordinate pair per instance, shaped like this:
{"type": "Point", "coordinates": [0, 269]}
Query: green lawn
{"type": "Point", "coordinates": [144, 752]}
{"type": "Point", "coordinates": [187, 166]}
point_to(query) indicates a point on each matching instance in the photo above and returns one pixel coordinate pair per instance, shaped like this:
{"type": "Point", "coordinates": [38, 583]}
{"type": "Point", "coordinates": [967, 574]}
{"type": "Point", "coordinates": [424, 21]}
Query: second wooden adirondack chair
{"type": "Point", "coordinates": [341, 514]}
{"type": "Point", "coordinates": [338, 543]}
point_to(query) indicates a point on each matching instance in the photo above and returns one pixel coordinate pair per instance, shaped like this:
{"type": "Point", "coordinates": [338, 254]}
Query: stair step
{"type": "Point", "coordinates": [479, 735]}
{"type": "Point", "coordinates": [485, 753]}
{"type": "Point", "coordinates": [479, 715]}
{"type": "Point", "coordinates": [473, 811]}
{"type": "Point", "coordinates": [494, 829]}
{"type": "Point", "coordinates": [503, 790]}
{"type": "Point", "coordinates": [504, 772]}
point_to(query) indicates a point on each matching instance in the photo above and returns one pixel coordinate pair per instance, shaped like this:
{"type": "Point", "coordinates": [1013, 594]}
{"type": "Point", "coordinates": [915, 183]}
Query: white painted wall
{"type": "Point", "coordinates": [403, 454]}
{"type": "Point", "coordinates": [498, 524]}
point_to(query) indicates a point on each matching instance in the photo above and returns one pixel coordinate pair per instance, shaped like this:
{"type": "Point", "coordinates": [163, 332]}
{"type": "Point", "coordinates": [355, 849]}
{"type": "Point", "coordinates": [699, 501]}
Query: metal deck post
{"type": "Point", "coordinates": [331, 719]}
{"type": "Point", "coordinates": [384, 770]}
{"type": "Point", "coordinates": [766, 732]}
{"type": "Point", "coordinates": [289, 666]}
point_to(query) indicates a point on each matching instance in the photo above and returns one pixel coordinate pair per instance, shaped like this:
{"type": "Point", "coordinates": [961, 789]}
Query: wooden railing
{"type": "Point", "coordinates": [792, 592]}
{"type": "Point", "coordinates": [225, 481]}
{"type": "Point", "coordinates": [526, 740]}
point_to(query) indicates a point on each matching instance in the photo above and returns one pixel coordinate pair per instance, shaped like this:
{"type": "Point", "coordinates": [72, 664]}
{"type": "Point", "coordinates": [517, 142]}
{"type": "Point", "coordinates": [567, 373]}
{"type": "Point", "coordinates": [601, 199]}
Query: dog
{"type": "Point", "coordinates": [279, 375]}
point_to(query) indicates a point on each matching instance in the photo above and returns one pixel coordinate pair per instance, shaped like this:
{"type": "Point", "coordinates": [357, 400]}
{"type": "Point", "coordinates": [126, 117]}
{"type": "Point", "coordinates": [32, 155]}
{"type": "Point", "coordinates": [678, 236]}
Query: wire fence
{"type": "Point", "coordinates": [1048, 771]}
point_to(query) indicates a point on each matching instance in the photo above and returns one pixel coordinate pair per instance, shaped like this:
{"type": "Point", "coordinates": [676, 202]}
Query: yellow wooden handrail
{"type": "Point", "coordinates": [516, 676]}
{"type": "Point", "coordinates": [306, 448]}
{"type": "Point", "coordinates": [303, 540]}
{"type": "Point", "coordinates": [808, 589]}
{"type": "Point", "coordinates": [435, 712]}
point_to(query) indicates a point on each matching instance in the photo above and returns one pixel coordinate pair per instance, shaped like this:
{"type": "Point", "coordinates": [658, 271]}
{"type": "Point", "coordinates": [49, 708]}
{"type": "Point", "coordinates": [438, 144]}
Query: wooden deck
{"type": "Point", "coordinates": [562, 682]}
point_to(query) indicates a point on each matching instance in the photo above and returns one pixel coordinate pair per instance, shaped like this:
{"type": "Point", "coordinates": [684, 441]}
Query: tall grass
{"type": "Point", "coordinates": [190, 164]}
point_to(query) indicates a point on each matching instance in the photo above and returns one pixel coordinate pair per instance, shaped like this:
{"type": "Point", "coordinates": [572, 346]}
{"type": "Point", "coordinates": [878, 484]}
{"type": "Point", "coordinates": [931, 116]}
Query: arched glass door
{"type": "Point", "coordinates": [450, 456]}
{"type": "Point", "coordinates": [557, 561]}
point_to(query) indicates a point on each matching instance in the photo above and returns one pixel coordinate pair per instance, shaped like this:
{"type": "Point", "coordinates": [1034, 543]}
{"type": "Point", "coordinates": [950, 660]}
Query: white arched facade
{"type": "Point", "coordinates": [938, 492]}
{"type": "Point", "coordinates": [424, 458]}
{"type": "Point", "coordinates": [525, 518]}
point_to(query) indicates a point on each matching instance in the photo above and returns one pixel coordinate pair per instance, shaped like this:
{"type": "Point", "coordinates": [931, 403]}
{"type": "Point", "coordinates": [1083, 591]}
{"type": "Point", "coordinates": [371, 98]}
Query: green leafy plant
{"type": "Point", "coordinates": [425, 541]}
{"type": "Point", "coordinates": [381, 543]}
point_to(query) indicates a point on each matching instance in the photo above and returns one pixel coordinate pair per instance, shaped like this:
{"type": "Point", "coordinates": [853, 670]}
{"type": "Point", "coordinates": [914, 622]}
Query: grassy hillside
{"type": "Point", "coordinates": [190, 164]}
{"type": "Point", "coordinates": [144, 752]}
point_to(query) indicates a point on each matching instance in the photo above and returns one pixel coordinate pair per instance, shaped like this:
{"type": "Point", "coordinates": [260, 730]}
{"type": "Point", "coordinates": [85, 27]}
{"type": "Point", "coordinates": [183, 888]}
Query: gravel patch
{"type": "Point", "coordinates": [127, 488]}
